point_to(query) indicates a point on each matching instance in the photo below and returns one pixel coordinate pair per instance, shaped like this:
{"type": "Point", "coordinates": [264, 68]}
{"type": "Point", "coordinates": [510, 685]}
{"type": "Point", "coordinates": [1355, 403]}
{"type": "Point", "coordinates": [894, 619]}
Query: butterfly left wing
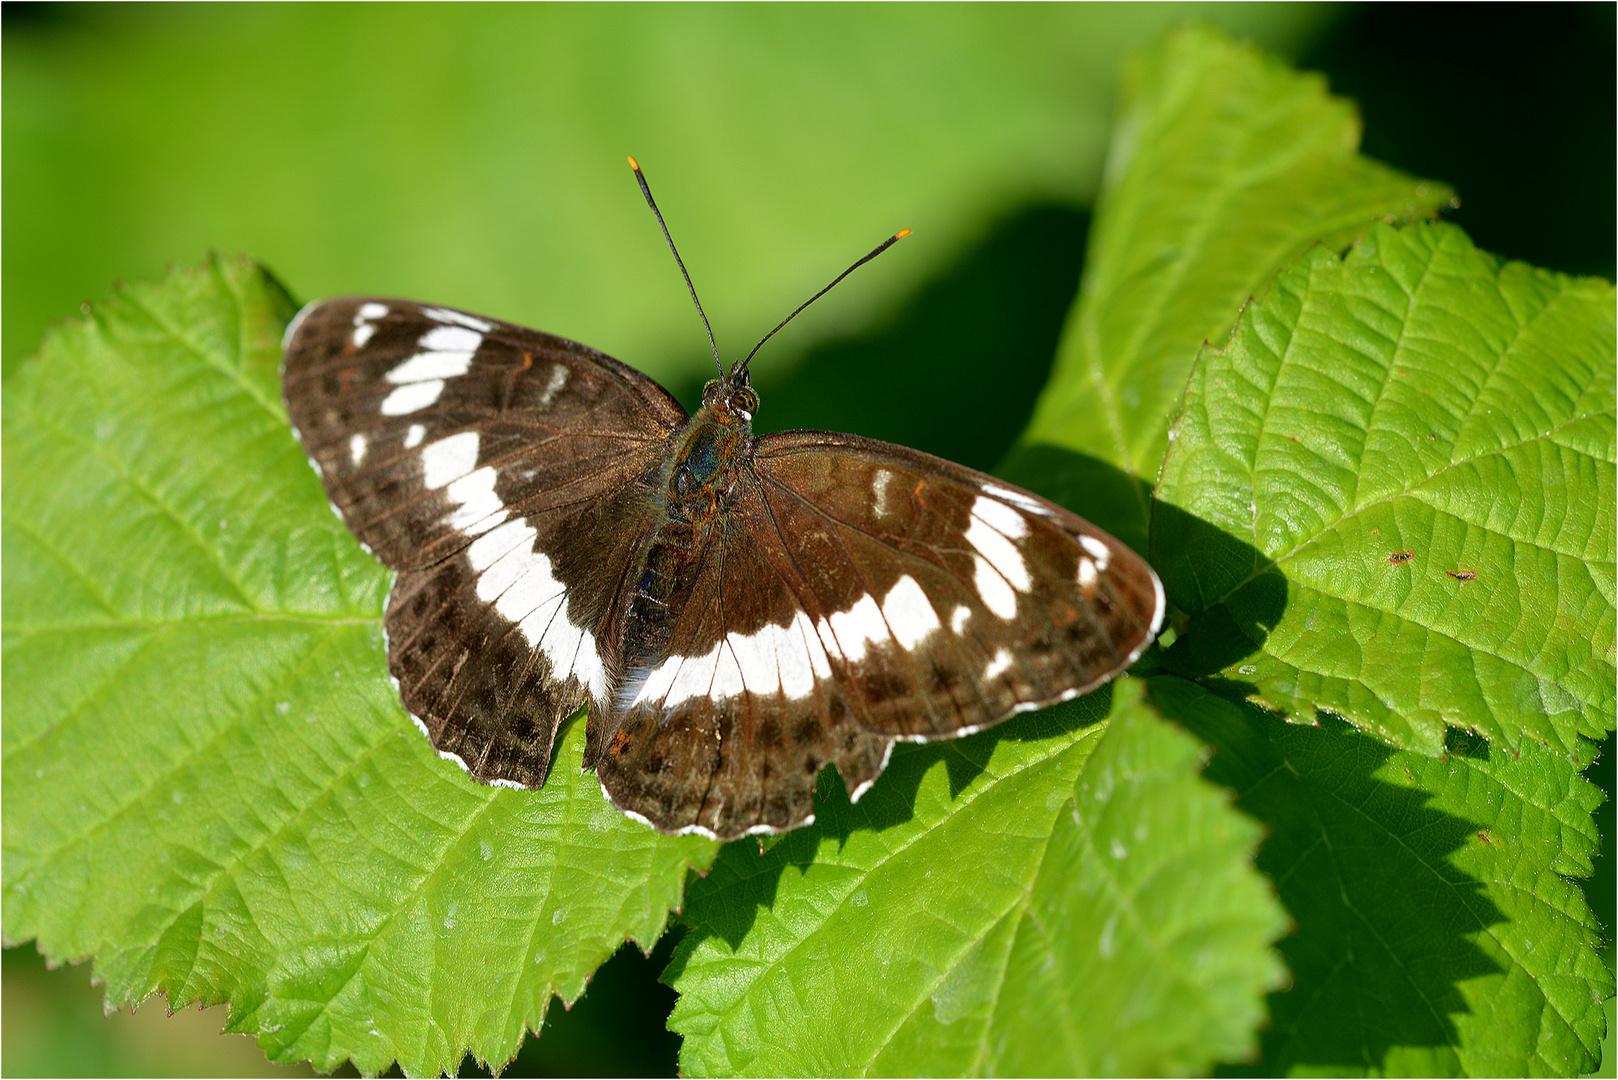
{"type": "Point", "coordinates": [506, 474]}
{"type": "Point", "coordinates": [859, 593]}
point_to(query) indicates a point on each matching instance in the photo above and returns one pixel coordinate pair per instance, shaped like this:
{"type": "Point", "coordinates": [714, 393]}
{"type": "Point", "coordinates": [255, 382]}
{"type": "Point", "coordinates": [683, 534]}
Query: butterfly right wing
{"type": "Point", "coordinates": [858, 594]}
{"type": "Point", "coordinates": [506, 474]}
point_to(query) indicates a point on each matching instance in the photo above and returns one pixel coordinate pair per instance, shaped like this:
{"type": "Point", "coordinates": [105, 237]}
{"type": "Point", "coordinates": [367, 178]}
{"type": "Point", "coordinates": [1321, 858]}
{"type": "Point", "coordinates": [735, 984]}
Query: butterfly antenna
{"type": "Point", "coordinates": [879, 249]}
{"type": "Point", "coordinates": [647, 191]}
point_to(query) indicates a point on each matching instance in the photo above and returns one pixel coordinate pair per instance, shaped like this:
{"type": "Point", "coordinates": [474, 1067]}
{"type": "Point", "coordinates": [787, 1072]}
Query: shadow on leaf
{"type": "Point", "coordinates": [1096, 490]}
{"type": "Point", "coordinates": [1229, 596]}
{"type": "Point", "coordinates": [956, 370]}
{"type": "Point", "coordinates": [1384, 919]}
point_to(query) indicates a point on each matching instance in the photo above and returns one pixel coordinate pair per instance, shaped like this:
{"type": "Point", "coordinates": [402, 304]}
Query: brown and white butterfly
{"type": "Point", "coordinates": [736, 612]}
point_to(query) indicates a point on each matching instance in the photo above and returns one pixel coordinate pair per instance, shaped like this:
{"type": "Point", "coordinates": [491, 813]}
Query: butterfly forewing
{"type": "Point", "coordinates": [957, 600]}
{"type": "Point", "coordinates": [426, 424]}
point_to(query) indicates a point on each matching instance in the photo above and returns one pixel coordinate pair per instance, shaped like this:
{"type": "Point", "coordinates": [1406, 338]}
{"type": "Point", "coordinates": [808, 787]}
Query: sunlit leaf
{"type": "Point", "coordinates": [1394, 489]}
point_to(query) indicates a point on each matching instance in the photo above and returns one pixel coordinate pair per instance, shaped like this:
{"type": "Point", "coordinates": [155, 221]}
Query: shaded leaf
{"type": "Point", "coordinates": [1414, 444]}
{"type": "Point", "coordinates": [1225, 165]}
{"type": "Point", "coordinates": [1437, 931]}
{"type": "Point", "coordinates": [210, 784]}
{"type": "Point", "coordinates": [1052, 905]}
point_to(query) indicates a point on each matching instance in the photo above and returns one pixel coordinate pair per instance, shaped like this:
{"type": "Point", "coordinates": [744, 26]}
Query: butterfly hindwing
{"type": "Point", "coordinates": [728, 731]}
{"type": "Point", "coordinates": [501, 641]}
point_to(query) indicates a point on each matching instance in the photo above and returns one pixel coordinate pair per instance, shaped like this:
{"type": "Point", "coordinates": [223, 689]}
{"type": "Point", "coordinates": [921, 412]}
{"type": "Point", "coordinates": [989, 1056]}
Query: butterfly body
{"type": "Point", "coordinates": [736, 611]}
{"type": "Point", "coordinates": [704, 470]}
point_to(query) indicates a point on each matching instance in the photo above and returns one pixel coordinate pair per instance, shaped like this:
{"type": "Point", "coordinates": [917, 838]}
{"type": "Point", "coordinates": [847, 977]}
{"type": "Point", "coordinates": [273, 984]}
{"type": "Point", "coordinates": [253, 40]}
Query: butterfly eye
{"type": "Point", "coordinates": [744, 400]}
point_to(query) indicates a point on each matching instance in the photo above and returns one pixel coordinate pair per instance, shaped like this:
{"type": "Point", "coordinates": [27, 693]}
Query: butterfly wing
{"type": "Point", "coordinates": [856, 594]}
{"type": "Point", "coordinates": [463, 451]}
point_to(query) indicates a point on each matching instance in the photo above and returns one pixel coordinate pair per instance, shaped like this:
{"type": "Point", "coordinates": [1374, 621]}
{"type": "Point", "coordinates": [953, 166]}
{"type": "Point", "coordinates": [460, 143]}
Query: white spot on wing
{"type": "Point", "coordinates": [1097, 549]}
{"type": "Point", "coordinates": [1001, 662]}
{"type": "Point", "coordinates": [1000, 517]}
{"type": "Point", "coordinates": [449, 459]}
{"type": "Point", "coordinates": [727, 676]}
{"type": "Point", "coordinates": [518, 581]}
{"type": "Point", "coordinates": [694, 675]}
{"type": "Point", "coordinates": [1000, 566]}
{"type": "Point", "coordinates": [755, 655]}
{"type": "Point", "coordinates": [487, 549]}
{"type": "Point", "coordinates": [879, 488]}
{"type": "Point", "coordinates": [997, 595]}
{"type": "Point", "coordinates": [458, 318]}
{"type": "Point", "coordinates": [414, 436]}
{"type": "Point", "coordinates": [786, 658]}
{"type": "Point", "coordinates": [1087, 574]}
{"type": "Point", "coordinates": [365, 320]}
{"type": "Point", "coordinates": [433, 365]}
{"type": "Point", "coordinates": [813, 646]}
{"type": "Point", "coordinates": [411, 398]}
{"type": "Point", "coordinates": [908, 612]}
{"type": "Point", "coordinates": [356, 448]}
{"type": "Point", "coordinates": [857, 626]}
{"type": "Point", "coordinates": [501, 558]}
{"type": "Point", "coordinates": [451, 340]}
{"type": "Point", "coordinates": [1017, 498]}
{"type": "Point", "coordinates": [658, 683]}
{"type": "Point", "coordinates": [553, 385]}
{"type": "Point", "coordinates": [958, 617]}
{"type": "Point", "coordinates": [793, 658]}
{"type": "Point", "coordinates": [476, 504]}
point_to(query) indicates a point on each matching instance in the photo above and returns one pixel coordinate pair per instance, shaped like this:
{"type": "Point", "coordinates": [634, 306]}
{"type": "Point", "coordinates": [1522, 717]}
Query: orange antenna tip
{"type": "Point", "coordinates": [900, 235]}
{"type": "Point", "coordinates": [633, 164]}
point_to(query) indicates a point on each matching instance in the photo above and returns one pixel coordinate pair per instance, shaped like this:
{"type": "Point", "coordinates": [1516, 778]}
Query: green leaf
{"type": "Point", "coordinates": [1418, 396]}
{"type": "Point", "coordinates": [210, 784]}
{"type": "Point", "coordinates": [1022, 901]}
{"type": "Point", "coordinates": [1437, 931]}
{"type": "Point", "coordinates": [1225, 165]}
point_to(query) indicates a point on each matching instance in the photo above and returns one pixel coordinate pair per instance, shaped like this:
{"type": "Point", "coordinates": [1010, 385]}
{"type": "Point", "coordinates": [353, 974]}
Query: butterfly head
{"type": "Point", "coordinates": [731, 396]}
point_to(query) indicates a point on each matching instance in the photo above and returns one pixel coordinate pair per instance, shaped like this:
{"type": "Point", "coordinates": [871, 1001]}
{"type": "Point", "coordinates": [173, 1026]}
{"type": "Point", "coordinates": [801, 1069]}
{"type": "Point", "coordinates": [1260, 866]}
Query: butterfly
{"type": "Point", "coordinates": [737, 612]}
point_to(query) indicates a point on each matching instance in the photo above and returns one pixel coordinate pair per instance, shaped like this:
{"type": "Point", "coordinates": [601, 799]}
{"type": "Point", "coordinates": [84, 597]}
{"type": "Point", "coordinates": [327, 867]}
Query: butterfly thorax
{"type": "Point", "coordinates": [702, 477]}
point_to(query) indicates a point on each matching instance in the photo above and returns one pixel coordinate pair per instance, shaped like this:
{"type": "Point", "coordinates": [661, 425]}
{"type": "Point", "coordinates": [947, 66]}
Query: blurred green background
{"type": "Point", "coordinates": [474, 155]}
